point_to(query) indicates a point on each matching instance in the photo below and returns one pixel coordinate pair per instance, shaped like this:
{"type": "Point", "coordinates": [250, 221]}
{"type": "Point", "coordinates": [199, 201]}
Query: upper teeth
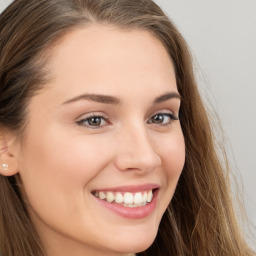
{"type": "Point", "coordinates": [126, 198]}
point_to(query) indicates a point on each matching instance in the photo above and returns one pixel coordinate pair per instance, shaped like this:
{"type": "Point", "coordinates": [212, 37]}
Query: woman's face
{"type": "Point", "coordinates": [101, 137]}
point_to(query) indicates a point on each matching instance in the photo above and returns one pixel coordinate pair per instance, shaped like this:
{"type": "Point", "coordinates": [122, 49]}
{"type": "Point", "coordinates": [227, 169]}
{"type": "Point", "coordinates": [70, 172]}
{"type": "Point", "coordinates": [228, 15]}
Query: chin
{"type": "Point", "coordinates": [135, 244]}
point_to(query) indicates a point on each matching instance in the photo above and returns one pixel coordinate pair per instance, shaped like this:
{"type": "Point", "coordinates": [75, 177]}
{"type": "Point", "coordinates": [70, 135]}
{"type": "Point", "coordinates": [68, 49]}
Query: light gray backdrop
{"type": "Point", "coordinates": [222, 37]}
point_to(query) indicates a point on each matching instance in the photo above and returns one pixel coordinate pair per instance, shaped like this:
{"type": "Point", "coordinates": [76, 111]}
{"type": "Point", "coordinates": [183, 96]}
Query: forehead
{"type": "Point", "coordinates": [98, 57]}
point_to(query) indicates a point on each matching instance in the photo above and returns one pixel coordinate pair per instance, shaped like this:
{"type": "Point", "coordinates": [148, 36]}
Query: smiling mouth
{"type": "Point", "coordinates": [126, 199]}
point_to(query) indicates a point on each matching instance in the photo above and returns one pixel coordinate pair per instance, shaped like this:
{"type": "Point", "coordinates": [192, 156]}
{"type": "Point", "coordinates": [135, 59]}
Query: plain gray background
{"type": "Point", "coordinates": [222, 38]}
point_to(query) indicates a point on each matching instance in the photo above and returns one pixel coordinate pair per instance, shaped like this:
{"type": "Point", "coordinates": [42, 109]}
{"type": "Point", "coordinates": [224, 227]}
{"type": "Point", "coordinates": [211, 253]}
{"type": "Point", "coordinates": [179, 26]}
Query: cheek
{"type": "Point", "coordinates": [173, 158]}
{"type": "Point", "coordinates": [173, 152]}
{"type": "Point", "coordinates": [57, 177]}
{"type": "Point", "coordinates": [60, 166]}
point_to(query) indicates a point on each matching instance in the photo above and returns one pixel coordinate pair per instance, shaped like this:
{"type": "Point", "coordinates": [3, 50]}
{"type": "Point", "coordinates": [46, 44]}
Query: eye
{"type": "Point", "coordinates": [162, 119]}
{"type": "Point", "coordinates": [93, 121]}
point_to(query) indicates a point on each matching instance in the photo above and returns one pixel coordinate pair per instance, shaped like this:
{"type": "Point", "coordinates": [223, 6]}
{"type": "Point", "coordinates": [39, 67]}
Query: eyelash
{"type": "Point", "coordinates": [94, 117]}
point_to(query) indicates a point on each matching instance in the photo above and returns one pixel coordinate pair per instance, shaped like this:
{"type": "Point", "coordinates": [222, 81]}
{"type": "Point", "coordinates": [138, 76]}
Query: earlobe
{"type": "Point", "coordinates": [8, 161]}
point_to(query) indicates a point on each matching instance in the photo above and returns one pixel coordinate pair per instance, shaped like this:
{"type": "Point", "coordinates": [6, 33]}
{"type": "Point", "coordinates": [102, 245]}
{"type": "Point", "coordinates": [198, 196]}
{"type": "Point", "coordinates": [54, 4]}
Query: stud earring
{"type": "Point", "coordinates": [5, 167]}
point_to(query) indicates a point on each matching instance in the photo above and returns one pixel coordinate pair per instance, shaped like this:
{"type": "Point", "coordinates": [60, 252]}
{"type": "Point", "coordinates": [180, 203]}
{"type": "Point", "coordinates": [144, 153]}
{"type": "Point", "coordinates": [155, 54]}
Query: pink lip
{"type": "Point", "coordinates": [131, 213]}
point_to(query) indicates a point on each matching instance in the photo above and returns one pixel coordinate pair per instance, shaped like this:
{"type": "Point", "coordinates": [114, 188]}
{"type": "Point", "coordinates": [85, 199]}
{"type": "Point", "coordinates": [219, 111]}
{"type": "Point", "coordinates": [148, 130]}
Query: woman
{"type": "Point", "coordinates": [106, 147]}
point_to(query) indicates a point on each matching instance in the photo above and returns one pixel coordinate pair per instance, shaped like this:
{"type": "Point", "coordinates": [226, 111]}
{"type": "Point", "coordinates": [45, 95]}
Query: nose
{"type": "Point", "coordinates": [136, 151]}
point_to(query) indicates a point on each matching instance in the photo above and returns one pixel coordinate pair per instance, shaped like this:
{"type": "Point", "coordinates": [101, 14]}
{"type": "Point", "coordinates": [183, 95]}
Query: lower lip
{"type": "Point", "coordinates": [131, 213]}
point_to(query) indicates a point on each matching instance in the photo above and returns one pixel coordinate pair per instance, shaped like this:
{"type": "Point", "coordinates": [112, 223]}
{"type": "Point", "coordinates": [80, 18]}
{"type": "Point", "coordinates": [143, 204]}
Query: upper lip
{"type": "Point", "coordinates": [130, 188]}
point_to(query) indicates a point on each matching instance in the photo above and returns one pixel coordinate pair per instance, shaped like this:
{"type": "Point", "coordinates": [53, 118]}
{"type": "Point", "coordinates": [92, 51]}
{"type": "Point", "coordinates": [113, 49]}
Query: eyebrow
{"type": "Point", "coordinates": [167, 96]}
{"type": "Point", "coordinates": [107, 99]}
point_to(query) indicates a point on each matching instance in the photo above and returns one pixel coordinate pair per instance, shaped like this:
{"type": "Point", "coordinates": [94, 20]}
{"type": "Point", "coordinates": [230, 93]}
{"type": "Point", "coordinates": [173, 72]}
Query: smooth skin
{"type": "Point", "coordinates": [75, 144]}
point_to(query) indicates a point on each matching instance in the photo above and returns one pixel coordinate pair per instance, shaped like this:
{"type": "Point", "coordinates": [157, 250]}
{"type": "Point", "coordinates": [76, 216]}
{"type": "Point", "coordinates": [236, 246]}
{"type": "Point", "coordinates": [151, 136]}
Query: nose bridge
{"type": "Point", "coordinates": [136, 149]}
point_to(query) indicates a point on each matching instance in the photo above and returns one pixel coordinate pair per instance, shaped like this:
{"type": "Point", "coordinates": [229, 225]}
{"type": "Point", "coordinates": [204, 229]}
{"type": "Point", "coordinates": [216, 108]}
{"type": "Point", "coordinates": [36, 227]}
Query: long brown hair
{"type": "Point", "coordinates": [200, 219]}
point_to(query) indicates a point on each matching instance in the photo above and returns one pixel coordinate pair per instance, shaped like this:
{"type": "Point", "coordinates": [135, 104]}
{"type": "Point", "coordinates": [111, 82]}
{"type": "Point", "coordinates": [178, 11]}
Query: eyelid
{"type": "Point", "coordinates": [92, 114]}
{"type": "Point", "coordinates": [165, 111]}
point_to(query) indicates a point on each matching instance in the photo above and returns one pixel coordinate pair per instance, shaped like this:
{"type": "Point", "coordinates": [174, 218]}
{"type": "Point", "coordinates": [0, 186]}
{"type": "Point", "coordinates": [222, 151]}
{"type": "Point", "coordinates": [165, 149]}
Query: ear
{"type": "Point", "coordinates": [8, 159]}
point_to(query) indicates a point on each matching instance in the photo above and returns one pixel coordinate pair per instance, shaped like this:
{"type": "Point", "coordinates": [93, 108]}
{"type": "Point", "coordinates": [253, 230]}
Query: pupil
{"type": "Point", "coordinates": [94, 121]}
{"type": "Point", "coordinates": [158, 119]}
